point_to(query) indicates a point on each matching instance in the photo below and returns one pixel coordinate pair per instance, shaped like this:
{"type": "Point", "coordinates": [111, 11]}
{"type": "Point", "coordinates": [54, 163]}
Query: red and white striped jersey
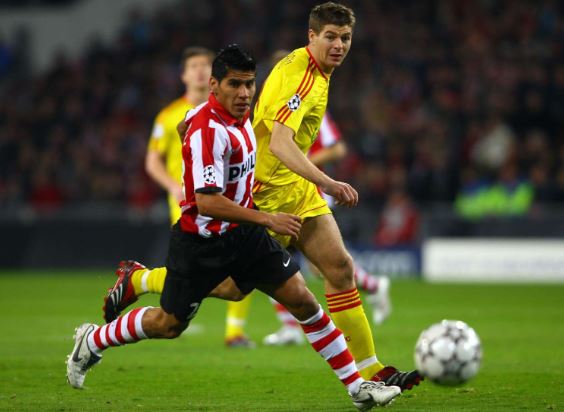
{"type": "Point", "coordinates": [328, 135]}
{"type": "Point", "coordinates": [219, 155]}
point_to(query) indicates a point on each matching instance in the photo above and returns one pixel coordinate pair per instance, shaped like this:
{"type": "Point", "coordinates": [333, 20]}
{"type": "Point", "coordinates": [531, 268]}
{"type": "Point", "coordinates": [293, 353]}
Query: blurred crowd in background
{"type": "Point", "coordinates": [458, 102]}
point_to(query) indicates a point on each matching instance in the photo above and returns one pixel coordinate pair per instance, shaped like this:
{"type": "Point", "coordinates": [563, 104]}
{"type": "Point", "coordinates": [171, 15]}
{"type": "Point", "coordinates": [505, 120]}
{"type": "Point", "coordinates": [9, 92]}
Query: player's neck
{"type": "Point", "coordinates": [315, 54]}
{"type": "Point", "coordinates": [197, 97]}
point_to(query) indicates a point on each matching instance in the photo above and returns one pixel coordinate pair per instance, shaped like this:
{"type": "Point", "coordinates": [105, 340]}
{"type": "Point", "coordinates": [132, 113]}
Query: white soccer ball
{"type": "Point", "coordinates": [448, 353]}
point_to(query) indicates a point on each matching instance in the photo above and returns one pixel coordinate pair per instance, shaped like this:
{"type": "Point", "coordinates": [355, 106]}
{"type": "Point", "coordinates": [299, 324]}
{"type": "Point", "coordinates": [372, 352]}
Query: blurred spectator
{"type": "Point", "coordinates": [445, 93]}
{"type": "Point", "coordinates": [399, 221]}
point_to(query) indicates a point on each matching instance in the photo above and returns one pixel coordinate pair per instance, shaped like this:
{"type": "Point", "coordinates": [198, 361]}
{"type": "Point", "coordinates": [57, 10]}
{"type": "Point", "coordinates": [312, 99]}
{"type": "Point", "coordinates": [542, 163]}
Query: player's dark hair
{"type": "Point", "coordinates": [330, 13]}
{"type": "Point", "coordinates": [232, 57]}
{"type": "Point", "coordinates": [190, 52]}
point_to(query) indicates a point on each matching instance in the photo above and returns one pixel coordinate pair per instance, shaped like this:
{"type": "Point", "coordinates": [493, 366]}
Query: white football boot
{"type": "Point", "coordinates": [371, 394]}
{"type": "Point", "coordinates": [380, 301]}
{"type": "Point", "coordinates": [286, 335]}
{"type": "Point", "coordinates": [81, 358]}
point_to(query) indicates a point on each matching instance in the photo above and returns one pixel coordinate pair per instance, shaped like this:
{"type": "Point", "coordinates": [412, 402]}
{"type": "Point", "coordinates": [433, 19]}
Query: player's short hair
{"type": "Point", "coordinates": [190, 52]}
{"type": "Point", "coordinates": [232, 57]}
{"type": "Point", "coordinates": [330, 13]}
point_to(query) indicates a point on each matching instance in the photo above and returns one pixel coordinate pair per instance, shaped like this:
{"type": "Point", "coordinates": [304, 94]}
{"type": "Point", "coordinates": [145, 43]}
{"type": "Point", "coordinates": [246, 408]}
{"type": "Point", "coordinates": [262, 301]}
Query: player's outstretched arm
{"type": "Point", "coordinates": [219, 207]}
{"type": "Point", "coordinates": [156, 168]}
{"type": "Point", "coordinates": [282, 145]}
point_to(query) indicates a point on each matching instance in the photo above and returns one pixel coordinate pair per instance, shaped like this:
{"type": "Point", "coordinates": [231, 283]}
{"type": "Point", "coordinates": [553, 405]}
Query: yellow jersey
{"type": "Point", "coordinates": [165, 140]}
{"type": "Point", "coordinates": [294, 94]}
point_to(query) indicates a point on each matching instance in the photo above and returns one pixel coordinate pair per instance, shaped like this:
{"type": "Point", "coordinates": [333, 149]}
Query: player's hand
{"type": "Point", "coordinates": [177, 192]}
{"type": "Point", "coordinates": [285, 224]}
{"type": "Point", "coordinates": [343, 193]}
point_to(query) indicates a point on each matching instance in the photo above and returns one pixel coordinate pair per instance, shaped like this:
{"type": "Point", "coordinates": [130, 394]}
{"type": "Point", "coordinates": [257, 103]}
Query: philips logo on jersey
{"type": "Point", "coordinates": [239, 171]}
{"type": "Point", "coordinates": [294, 102]}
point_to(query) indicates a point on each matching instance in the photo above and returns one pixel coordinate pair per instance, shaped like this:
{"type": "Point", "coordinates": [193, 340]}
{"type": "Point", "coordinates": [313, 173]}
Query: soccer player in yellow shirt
{"type": "Point", "coordinates": [287, 117]}
{"type": "Point", "coordinates": [163, 162]}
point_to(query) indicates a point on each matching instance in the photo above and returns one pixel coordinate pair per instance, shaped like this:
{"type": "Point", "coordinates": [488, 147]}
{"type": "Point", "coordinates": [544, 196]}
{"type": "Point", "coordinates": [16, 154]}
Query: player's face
{"type": "Point", "coordinates": [197, 72]}
{"type": "Point", "coordinates": [235, 92]}
{"type": "Point", "coordinates": [330, 46]}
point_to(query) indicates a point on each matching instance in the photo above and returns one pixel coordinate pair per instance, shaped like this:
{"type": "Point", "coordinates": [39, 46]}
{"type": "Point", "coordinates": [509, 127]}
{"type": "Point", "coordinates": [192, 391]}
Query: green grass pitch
{"type": "Point", "coordinates": [521, 327]}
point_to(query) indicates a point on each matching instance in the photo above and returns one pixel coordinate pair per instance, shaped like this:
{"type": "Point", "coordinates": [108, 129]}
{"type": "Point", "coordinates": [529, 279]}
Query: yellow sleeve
{"type": "Point", "coordinates": [159, 139]}
{"type": "Point", "coordinates": [288, 91]}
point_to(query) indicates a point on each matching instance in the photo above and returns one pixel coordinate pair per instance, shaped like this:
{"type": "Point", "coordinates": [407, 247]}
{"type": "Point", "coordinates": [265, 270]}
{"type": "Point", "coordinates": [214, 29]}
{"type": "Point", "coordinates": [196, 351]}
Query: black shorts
{"type": "Point", "coordinates": [196, 265]}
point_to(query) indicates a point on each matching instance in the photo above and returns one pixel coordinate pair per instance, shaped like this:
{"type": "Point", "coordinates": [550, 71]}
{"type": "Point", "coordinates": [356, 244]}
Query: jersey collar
{"type": "Point", "coordinates": [224, 115]}
{"type": "Point", "coordinates": [316, 65]}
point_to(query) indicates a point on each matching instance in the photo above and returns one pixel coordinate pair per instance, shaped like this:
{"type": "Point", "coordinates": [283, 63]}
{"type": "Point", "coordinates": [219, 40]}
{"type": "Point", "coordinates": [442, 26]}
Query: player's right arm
{"type": "Point", "coordinates": [219, 207]}
{"type": "Point", "coordinates": [282, 146]}
{"type": "Point", "coordinates": [155, 167]}
{"type": "Point", "coordinates": [155, 163]}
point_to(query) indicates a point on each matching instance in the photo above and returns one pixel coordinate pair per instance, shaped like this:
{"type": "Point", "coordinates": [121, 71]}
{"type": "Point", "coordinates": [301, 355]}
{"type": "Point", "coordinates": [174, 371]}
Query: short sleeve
{"type": "Point", "coordinates": [158, 140]}
{"type": "Point", "coordinates": [208, 148]}
{"type": "Point", "coordinates": [288, 106]}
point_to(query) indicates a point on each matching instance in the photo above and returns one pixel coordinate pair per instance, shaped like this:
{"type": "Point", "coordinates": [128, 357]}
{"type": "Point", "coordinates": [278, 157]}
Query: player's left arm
{"type": "Point", "coordinates": [282, 145]}
{"type": "Point", "coordinates": [329, 154]}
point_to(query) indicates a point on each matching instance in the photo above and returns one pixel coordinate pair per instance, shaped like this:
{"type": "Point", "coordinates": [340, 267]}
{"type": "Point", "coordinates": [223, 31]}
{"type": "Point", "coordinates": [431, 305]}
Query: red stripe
{"type": "Point", "coordinates": [283, 113]}
{"type": "Point", "coordinates": [350, 379]}
{"type": "Point", "coordinates": [339, 300]}
{"type": "Point", "coordinates": [333, 295]}
{"type": "Point", "coordinates": [344, 302]}
{"type": "Point", "coordinates": [283, 120]}
{"type": "Point", "coordinates": [309, 87]}
{"type": "Point", "coordinates": [341, 308]}
{"type": "Point", "coordinates": [119, 336]}
{"type": "Point", "coordinates": [280, 308]}
{"type": "Point", "coordinates": [110, 342]}
{"type": "Point", "coordinates": [131, 323]}
{"type": "Point", "coordinates": [316, 65]}
{"type": "Point", "coordinates": [280, 111]}
{"type": "Point", "coordinates": [306, 75]}
{"type": "Point", "coordinates": [341, 360]}
{"type": "Point", "coordinates": [248, 142]}
{"type": "Point", "coordinates": [317, 326]}
{"type": "Point", "coordinates": [326, 340]}
{"type": "Point", "coordinates": [97, 339]}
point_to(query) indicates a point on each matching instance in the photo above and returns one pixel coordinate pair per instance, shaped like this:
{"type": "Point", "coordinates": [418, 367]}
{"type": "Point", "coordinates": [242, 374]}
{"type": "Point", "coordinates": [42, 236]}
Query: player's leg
{"type": "Point", "coordinates": [329, 342]}
{"type": "Point", "coordinates": [321, 242]}
{"type": "Point", "coordinates": [290, 333]}
{"type": "Point", "coordinates": [236, 318]}
{"type": "Point", "coordinates": [378, 292]}
{"type": "Point", "coordinates": [134, 279]}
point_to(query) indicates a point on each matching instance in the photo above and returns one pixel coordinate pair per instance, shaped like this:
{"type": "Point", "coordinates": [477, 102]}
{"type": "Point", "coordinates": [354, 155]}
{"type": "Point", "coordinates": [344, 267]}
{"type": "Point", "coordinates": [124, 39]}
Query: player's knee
{"type": "Point", "coordinates": [341, 272]}
{"type": "Point", "coordinates": [167, 325]}
{"type": "Point", "coordinates": [304, 305]}
{"type": "Point", "coordinates": [174, 331]}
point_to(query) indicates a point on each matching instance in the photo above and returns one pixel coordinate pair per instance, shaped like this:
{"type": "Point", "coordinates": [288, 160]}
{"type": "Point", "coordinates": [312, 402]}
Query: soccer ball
{"type": "Point", "coordinates": [448, 353]}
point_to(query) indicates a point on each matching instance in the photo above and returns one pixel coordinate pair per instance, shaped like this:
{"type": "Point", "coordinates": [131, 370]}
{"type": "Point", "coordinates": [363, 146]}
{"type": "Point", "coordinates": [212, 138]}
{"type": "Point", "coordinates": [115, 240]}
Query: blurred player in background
{"type": "Point", "coordinates": [329, 148]}
{"type": "Point", "coordinates": [220, 233]}
{"type": "Point", "coordinates": [163, 162]}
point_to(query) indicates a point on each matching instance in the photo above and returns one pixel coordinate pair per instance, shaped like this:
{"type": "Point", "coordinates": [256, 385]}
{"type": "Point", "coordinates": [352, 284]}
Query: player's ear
{"type": "Point", "coordinates": [214, 85]}
{"type": "Point", "coordinates": [311, 35]}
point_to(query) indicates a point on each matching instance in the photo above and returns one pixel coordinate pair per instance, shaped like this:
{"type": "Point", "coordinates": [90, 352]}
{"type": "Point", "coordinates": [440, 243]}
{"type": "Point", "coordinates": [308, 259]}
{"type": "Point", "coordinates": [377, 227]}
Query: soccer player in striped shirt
{"type": "Point", "coordinates": [163, 162]}
{"type": "Point", "coordinates": [220, 234]}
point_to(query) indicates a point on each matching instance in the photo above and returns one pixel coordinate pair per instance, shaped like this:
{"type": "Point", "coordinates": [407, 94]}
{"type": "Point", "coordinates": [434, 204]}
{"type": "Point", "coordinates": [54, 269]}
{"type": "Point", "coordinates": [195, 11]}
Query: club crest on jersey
{"type": "Point", "coordinates": [294, 102]}
{"type": "Point", "coordinates": [209, 175]}
{"type": "Point", "coordinates": [240, 170]}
